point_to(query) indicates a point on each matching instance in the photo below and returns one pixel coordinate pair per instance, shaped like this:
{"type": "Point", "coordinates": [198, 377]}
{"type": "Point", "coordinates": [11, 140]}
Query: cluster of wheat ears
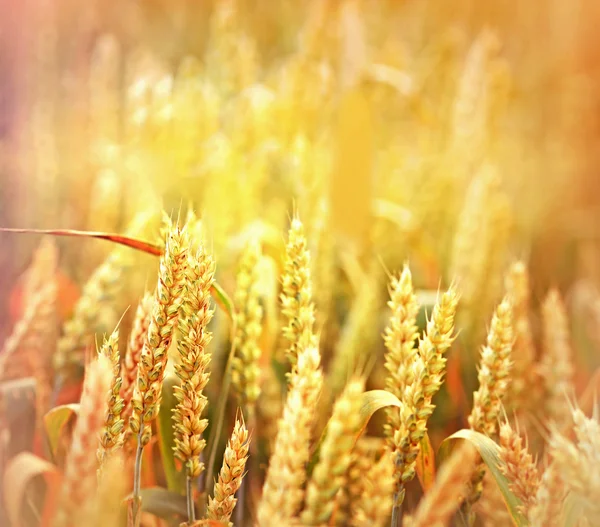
{"type": "Point", "coordinates": [309, 365]}
{"type": "Point", "coordinates": [347, 477]}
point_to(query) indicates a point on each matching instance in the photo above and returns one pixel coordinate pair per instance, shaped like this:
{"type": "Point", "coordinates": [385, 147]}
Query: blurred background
{"type": "Point", "coordinates": [457, 136]}
{"type": "Point", "coordinates": [386, 111]}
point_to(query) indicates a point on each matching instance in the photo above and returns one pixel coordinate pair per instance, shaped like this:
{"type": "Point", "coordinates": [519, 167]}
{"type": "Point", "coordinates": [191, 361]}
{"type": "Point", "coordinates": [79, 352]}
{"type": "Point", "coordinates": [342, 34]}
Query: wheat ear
{"type": "Point", "coordinates": [192, 370]}
{"type": "Point", "coordinates": [220, 507]}
{"type": "Point", "coordinates": [440, 502]}
{"type": "Point", "coordinates": [283, 490]}
{"type": "Point", "coordinates": [335, 455]}
{"type": "Point", "coordinates": [79, 481]}
{"type": "Point", "coordinates": [246, 369]}
{"type": "Point", "coordinates": [112, 433]}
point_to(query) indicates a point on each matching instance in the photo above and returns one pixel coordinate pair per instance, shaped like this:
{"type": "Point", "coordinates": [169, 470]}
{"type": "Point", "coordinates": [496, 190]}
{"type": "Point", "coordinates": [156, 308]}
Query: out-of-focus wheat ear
{"type": "Point", "coordinates": [473, 244]}
{"type": "Point", "coordinates": [297, 305]}
{"type": "Point", "coordinates": [43, 267]}
{"type": "Point", "coordinates": [491, 508]}
{"type": "Point", "coordinates": [40, 344]}
{"type": "Point", "coordinates": [494, 369]}
{"type": "Point", "coordinates": [335, 455]}
{"type": "Point", "coordinates": [549, 499]}
{"type": "Point", "coordinates": [471, 109]}
{"type": "Point", "coordinates": [270, 406]}
{"type": "Point", "coordinates": [112, 490]}
{"type": "Point", "coordinates": [577, 462]}
{"type": "Point", "coordinates": [232, 473]}
{"type": "Point", "coordinates": [24, 330]}
{"type": "Point", "coordinates": [373, 505]}
{"type": "Point", "coordinates": [359, 335]}
{"type": "Point", "coordinates": [556, 363]}
{"type": "Point", "coordinates": [399, 337]}
{"type": "Point", "coordinates": [137, 337]}
{"type": "Point", "coordinates": [94, 313]}
{"type": "Point", "coordinates": [32, 343]}
{"type": "Point", "coordinates": [79, 480]}
{"type": "Point", "coordinates": [246, 365]}
{"type": "Point", "coordinates": [518, 466]}
{"type": "Point", "coordinates": [192, 369]}
{"type": "Point", "coordinates": [29, 348]}
{"type": "Point", "coordinates": [365, 453]}
{"type": "Point", "coordinates": [443, 499]}
{"type": "Point", "coordinates": [283, 490]}
{"type": "Point", "coordinates": [111, 437]}
{"type": "Point", "coordinates": [521, 394]}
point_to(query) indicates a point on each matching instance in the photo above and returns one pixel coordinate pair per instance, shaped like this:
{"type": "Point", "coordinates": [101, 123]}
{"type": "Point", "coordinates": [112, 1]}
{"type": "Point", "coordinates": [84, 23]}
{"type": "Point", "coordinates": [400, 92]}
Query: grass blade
{"type": "Point", "coordinates": [490, 454]}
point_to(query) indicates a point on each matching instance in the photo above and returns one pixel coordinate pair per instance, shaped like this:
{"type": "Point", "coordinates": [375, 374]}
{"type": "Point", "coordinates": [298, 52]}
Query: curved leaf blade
{"type": "Point", "coordinates": [426, 464]}
{"type": "Point", "coordinates": [127, 241]}
{"type": "Point", "coordinates": [221, 298]}
{"type": "Point", "coordinates": [164, 503]}
{"type": "Point", "coordinates": [375, 400]}
{"type": "Point", "coordinates": [20, 472]}
{"type": "Point", "coordinates": [490, 454]}
{"type": "Point", "coordinates": [55, 421]}
{"type": "Point", "coordinates": [372, 401]}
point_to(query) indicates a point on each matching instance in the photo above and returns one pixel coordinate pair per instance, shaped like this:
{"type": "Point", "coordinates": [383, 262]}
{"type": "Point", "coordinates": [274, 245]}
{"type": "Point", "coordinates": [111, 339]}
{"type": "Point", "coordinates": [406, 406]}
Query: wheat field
{"type": "Point", "coordinates": [274, 263]}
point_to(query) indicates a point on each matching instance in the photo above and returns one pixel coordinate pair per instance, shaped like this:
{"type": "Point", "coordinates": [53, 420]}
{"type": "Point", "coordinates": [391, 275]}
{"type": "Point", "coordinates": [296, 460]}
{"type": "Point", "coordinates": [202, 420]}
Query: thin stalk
{"type": "Point", "coordinates": [215, 433]}
{"type": "Point", "coordinates": [189, 488]}
{"type": "Point", "coordinates": [397, 511]}
{"type": "Point", "coordinates": [137, 479]}
{"type": "Point", "coordinates": [239, 507]}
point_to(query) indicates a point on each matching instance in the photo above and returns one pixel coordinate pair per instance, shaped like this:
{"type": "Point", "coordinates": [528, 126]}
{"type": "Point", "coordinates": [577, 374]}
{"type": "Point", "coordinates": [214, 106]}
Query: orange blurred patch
{"type": "Point", "coordinates": [68, 293]}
